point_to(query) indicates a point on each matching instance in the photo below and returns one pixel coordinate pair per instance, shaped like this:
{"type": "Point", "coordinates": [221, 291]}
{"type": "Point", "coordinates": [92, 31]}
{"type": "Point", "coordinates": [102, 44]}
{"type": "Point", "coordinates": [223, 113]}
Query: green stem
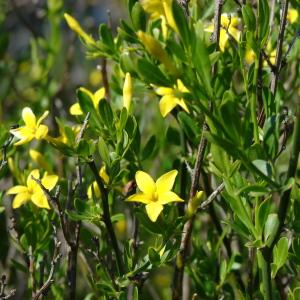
{"type": "Point", "coordinates": [263, 263]}
{"type": "Point", "coordinates": [253, 102]}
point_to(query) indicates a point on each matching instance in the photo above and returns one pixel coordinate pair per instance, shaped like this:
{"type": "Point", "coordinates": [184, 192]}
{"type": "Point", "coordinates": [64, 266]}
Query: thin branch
{"type": "Point", "coordinates": [278, 59]}
{"type": "Point", "coordinates": [212, 197]}
{"type": "Point", "coordinates": [3, 284]}
{"type": "Point", "coordinates": [56, 256]}
{"type": "Point", "coordinates": [5, 146]}
{"type": "Point", "coordinates": [107, 217]}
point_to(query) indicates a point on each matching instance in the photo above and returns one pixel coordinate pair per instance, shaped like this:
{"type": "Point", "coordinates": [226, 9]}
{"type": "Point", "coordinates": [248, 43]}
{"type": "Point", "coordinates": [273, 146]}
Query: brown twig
{"type": "Point", "coordinates": [56, 256]}
{"type": "Point", "coordinates": [107, 217]}
{"type": "Point", "coordinates": [278, 59]}
{"type": "Point", "coordinates": [3, 284]}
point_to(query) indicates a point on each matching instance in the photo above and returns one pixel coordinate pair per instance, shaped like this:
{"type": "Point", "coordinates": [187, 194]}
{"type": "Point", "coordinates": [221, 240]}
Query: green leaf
{"type": "Point", "coordinates": [280, 254]}
{"type": "Point", "coordinates": [151, 73]}
{"type": "Point", "coordinates": [270, 230]}
{"type": "Point", "coordinates": [138, 17]}
{"type": "Point", "coordinates": [103, 151]}
{"type": "Point", "coordinates": [2, 209]}
{"type": "Point", "coordinates": [149, 148]}
{"type": "Point", "coordinates": [263, 21]}
{"type": "Point", "coordinates": [83, 149]}
{"type": "Point", "coordinates": [189, 126]}
{"type": "Point", "coordinates": [241, 210]}
{"type": "Point", "coordinates": [181, 23]}
{"type": "Point", "coordinates": [106, 113]}
{"type": "Point", "coordinates": [202, 64]}
{"type": "Point", "coordinates": [154, 256]}
{"type": "Point", "coordinates": [106, 36]}
{"type": "Point", "coordinates": [173, 136]}
{"type": "Point", "coordinates": [261, 214]}
{"type": "Point", "coordinates": [249, 17]}
{"type": "Point", "coordinates": [264, 167]}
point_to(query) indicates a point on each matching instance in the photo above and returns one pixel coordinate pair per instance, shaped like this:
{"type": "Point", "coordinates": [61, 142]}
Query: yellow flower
{"type": "Point", "coordinates": [94, 186]}
{"type": "Point", "coordinates": [32, 191]}
{"type": "Point", "coordinates": [127, 91]}
{"type": "Point", "coordinates": [75, 26]}
{"type": "Point", "coordinates": [250, 56]}
{"type": "Point", "coordinates": [155, 194]}
{"type": "Point", "coordinates": [172, 97]}
{"type": "Point", "coordinates": [292, 15]}
{"type": "Point", "coordinates": [160, 9]}
{"type": "Point", "coordinates": [32, 129]}
{"type": "Point", "coordinates": [75, 109]}
{"type": "Point", "coordinates": [37, 157]}
{"type": "Point", "coordinates": [229, 27]}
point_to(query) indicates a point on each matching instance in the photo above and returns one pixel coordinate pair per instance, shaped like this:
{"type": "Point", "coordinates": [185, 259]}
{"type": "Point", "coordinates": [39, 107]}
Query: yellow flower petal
{"type": "Point", "coordinates": [127, 91]}
{"type": "Point", "coordinates": [162, 91]}
{"type": "Point", "coordinates": [153, 7]}
{"type": "Point", "coordinates": [75, 110]}
{"type": "Point", "coordinates": [104, 175]}
{"type": "Point", "coordinates": [168, 197]}
{"type": "Point", "coordinates": [49, 181]}
{"type": "Point", "coordinates": [29, 117]}
{"type": "Point", "coordinates": [44, 115]}
{"type": "Point", "coordinates": [40, 200]}
{"type": "Point", "coordinates": [145, 182]}
{"type": "Point", "coordinates": [292, 15]}
{"type": "Point", "coordinates": [182, 104]}
{"type": "Point", "coordinates": [99, 94]}
{"type": "Point", "coordinates": [167, 4]}
{"type": "Point", "coordinates": [181, 87]}
{"type": "Point", "coordinates": [250, 56]}
{"type": "Point", "coordinates": [209, 28]}
{"type": "Point", "coordinates": [235, 33]}
{"type": "Point", "coordinates": [23, 133]}
{"type": "Point", "coordinates": [75, 26]}
{"type": "Point", "coordinates": [17, 189]}
{"type": "Point", "coordinates": [20, 199]}
{"type": "Point", "coordinates": [41, 132]}
{"type": "Point", "coordinates": [139, 197]}
{"type": "Point", "coordinates": [37, 157]}
{"type": "Point", "coordinates": [31, 184]}
{"type": "Point", "coordinates": [223, 39]}
{"type": "Point", "coordinates": [166, 104]}
{"type": "Point", "coordinates": [153, 210]}
{"type": "Point", "coordinates": [97, 193]}
{"type": "Point", "coordinates": [165, 182]}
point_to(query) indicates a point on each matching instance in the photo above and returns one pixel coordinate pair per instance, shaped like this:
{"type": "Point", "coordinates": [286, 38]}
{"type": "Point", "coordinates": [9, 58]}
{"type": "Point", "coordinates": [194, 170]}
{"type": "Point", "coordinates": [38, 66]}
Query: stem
{"type": "Point", "coordinates": [278, 60]}
{"type": "Point", "coordinates": [253, 102]}
{"type": "Point", "coordinates": [263, 262]}
{"type": "Point", "coordinates": [107, 218]}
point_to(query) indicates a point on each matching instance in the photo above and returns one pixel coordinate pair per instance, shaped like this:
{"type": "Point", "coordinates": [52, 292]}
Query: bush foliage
{"type": "Point", "coordinates": [172, 174]}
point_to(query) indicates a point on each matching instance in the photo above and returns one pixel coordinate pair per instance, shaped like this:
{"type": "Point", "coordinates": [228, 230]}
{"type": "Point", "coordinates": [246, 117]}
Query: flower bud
{"type": "Point", "coordinates": [127, 91]}
{"type": "Point", "coordinates": [194, 203]}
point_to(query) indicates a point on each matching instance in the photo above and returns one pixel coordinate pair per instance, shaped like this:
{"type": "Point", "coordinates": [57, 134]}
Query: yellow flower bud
{"type": "Point", "coordinates": [194, 203]}
{"type": "Point", "coordinates": [127, 91]}
{"type": "Point", "coordinates": [156, 50]}
{"type": "Point", "coordinates": [292, 15]}
{"type": "Point", "coordinates": [167, 4]}
{"type": "Point", "coordinates": [75, 26]}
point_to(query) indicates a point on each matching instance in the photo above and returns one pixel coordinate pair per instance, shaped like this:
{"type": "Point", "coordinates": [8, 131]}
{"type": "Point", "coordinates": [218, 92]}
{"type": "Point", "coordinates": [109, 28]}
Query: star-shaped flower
{"type": "Point", "coordinates": [155, 194]}
{"type": "Point", "coordinates": [32, 191]}
{"type": "Point", "coordinates": [75, 109]}
{"type": "Point", "coordinates": [32, 129]}
{"type": "Point", "coordinates": [229, 27]}
{"type": "Point", "coordinates": [172, 97]}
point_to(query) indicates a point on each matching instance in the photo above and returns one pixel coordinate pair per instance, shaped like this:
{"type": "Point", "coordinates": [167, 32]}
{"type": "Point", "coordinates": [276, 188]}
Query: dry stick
{"type": "Point", "coordinates": [107, 217]}
{"type": "Point", "coordinates": [188, 226]}
{"type": "Point", "coordinates": [72, 255]}
{"type": "Point", "coordinates": [278, 59]}
{"type": "Point", "coordinates": [2, 289]}
{"type": "Point", "coordinates": [56, 256]}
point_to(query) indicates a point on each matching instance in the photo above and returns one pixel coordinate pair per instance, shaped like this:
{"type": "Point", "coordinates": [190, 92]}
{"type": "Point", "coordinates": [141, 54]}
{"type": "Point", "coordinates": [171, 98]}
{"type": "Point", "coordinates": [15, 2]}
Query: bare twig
{"type": "Point", "coordinates": [211, 198]}
{"type": "Point", "coordinates": [55, 258]}
{"type": "Point", "coordinates": [278, 59]}
{"type": "Point", "coordinates": [107, 218]}
{"type": "Point", "coordinates": [188, 226]}
{"type": "Point", "coordinates": [3, 285]}
{"type": "Point", "coordinates": [5, 146]}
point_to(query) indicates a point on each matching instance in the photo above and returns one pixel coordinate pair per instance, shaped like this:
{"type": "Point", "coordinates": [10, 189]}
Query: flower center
{"type": "Point", "coordinates": [155, 197]}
